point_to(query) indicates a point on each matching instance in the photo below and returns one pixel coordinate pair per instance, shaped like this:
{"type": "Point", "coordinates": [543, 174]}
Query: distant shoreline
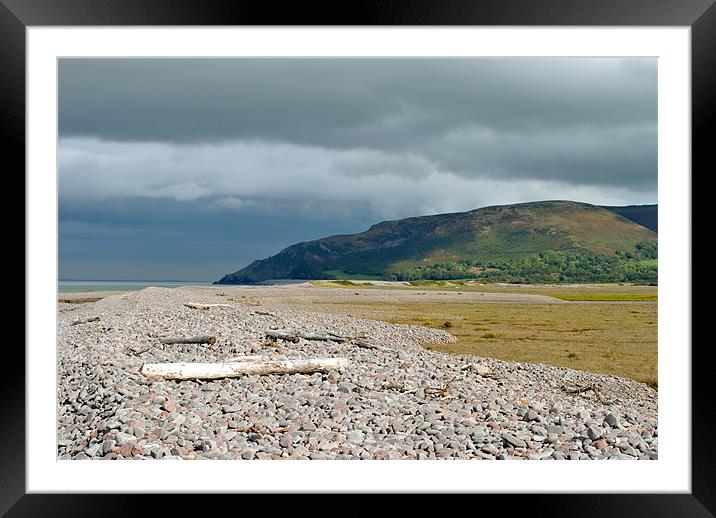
{"type": "Point", "coordinates": [66, 286]}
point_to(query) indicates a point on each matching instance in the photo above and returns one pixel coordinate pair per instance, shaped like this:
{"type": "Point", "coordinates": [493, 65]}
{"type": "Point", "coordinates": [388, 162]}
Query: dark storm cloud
{"type": "Point", "coordinates": [580, 121]}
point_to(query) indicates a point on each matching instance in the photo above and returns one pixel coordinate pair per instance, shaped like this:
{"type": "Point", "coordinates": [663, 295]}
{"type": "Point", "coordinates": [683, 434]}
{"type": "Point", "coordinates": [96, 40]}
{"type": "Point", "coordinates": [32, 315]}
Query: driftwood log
{"type": "Point", "coordinates": [211, 340]}
{"type": "Point", "coordinates": [341, 338]}
{"type": "Point", "coordinates": [294, 336]}
{"type": "Point", "coordinates": [367, 345]}
{"type": "Point", "coordinates": [321, 338]}
{"type": "Point", "coordinates": [188, 371]}
{"type": "Point", "coordinates": [206, 307]}
{"type": "Point", "coordinates": [85, 321]}
{"type": "Point", "coordinates": [282, 335]}
{"type": "Point", "coordinates": [245, 359]}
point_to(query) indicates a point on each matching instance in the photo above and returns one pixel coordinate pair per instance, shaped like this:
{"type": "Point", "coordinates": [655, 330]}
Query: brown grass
{"type": "Point", "coordinates": [614, 338]}
{"type": "Point", "coordinates": [573, 292]}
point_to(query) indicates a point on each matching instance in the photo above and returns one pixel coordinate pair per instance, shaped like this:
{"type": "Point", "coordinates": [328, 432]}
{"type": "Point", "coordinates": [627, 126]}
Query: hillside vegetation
{"type": "Point", "coordinates": [550, 241]}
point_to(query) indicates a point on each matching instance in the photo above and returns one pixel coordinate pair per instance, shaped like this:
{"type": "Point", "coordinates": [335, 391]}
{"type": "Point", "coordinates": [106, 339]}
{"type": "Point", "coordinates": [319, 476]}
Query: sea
{"type": "Point", "coordinates": [75, 286]}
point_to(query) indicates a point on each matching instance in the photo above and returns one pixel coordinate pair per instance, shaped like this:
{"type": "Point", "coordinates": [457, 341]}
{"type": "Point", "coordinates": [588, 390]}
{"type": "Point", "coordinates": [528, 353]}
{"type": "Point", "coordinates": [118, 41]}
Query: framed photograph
{"type": "Point", "coordinates": [374, 248]}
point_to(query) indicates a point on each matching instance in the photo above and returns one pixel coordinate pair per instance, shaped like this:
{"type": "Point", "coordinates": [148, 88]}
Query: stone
{"type": "Point", "coordinates": [248, 455]}
{"type": "Point", "coordinates": [444, 453]}
{"type": "Point", "coordinates": [126, 450]}
{"type": "Point", "coordinates": [622, 456]}
{"type": "Point", "coordinates": [355, 436]}
{"type": "Point", "coordinates": [627, 449]}
{"type": "Point", "coordinates": [530, 415]}
{"type": "Point", "coordinates": [482, 370]}
{"type": "Point", "coordinates": [123, 438]}
{"type": "Point", "coordinates": [108, 445]}
{"type": "Point", "coordinates": [93, 450]}
{"type": "Point", "coordinates": [611, 420]}
{"type": "Point", "coordinates": [319, 456]}
{"type": "Point", "coordinates": [541, 455]}
{"type": "Point", "coordinates": [490, 450]}
{"type": "Point", "coordinates": [601, 444]}
{"type": "Point", "coordinates": [593, 433]}
{"type": "Point", "coordinates": [553, 429]}
{"type": "Point", "coordinates": [514, 441]}
{"type": "Point", "coordinates": [539, 430]}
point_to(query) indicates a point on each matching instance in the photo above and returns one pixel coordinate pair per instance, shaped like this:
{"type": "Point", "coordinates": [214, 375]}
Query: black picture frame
{"type": "Point", "coordinates": [700, 15]}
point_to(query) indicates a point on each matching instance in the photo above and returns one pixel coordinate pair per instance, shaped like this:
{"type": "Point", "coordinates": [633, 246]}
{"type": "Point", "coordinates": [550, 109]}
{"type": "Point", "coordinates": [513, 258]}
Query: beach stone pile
{"type": "Point", "coordinates": [401, 402]}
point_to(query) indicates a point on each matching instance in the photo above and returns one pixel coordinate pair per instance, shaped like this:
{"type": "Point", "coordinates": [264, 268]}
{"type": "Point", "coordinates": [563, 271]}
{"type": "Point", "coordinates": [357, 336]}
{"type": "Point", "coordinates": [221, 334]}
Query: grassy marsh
{"type": "Point", "coordinates": [572, 292]}
{"type": "Point", "coordinates": [616, 338]}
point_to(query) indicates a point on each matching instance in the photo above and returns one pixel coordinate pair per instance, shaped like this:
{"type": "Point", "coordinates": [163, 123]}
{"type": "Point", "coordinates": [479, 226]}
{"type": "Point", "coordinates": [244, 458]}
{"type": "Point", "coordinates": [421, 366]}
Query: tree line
{"type": "Point", "coordinates": [638, 265]}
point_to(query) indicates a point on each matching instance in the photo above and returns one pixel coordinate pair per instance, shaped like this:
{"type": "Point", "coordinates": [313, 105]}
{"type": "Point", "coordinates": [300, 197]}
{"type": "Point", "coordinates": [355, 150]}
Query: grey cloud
{"type": "Point", "coordinates": [620, 155]}
{"type": "Point", "coordinates": [555, 119]}
{"type": "Point", "coordinates": [370, 162]}
{"type": "Point", "coordinates": [250, 176]}
{"type": "Point", "coordinates": [319, 101]}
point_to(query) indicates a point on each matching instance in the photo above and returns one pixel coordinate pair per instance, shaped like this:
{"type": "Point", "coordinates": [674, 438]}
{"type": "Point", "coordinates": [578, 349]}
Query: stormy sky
{"type": "Point", "coordinates": [192, 168]}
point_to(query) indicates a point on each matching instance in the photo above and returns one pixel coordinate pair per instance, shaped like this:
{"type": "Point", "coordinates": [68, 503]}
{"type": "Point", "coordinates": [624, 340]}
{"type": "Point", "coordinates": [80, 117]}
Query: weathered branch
{"type": "Point", "coordinates": [443, 390]}
{"type": "Point", "coordinates": [211, 340]}
{"type": "Point", "coordinates": [294, 336]}
{"type": "Point", "coordinates": [206, 307]}
{"type": "Point", "coordinates": [245, 359]}
{"type": "Point", "coordinates": [402, 387]}
{"type": "Point", "coordinates": [322, 338]}
{"type": "Point", "coordinates": [341, 338]}
{"type": "Point", "coordinates": [367, 345]}
{"type": "Point", "coordinates": [137, 352]}
{"type": "Point", "coordinates": [188, 371]}
{"type": "Point", "coordinates": [282, 335]}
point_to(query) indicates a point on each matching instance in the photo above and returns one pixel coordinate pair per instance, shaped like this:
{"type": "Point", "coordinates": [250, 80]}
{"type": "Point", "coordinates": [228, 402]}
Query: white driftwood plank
{"type": "Point", "coordinates": [245, 359]}
{"type": "Point", "coordinates": [185, 371]}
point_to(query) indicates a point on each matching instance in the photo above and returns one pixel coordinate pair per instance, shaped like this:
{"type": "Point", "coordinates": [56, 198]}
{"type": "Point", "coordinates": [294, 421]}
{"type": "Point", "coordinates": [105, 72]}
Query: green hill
{"type": "Point", "coordinates": [527, 242]}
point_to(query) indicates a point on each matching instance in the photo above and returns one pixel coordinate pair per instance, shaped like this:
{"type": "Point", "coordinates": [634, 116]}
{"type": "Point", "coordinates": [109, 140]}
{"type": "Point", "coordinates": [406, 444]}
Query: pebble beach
{"type": "Point", "coordinates": [397, 400]}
